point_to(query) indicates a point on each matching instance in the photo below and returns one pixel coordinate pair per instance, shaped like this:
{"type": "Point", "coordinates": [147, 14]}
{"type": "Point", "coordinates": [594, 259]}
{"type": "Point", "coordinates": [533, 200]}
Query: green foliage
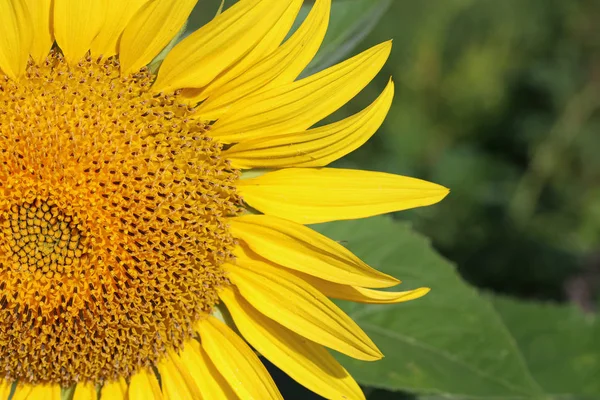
{"type": "Point", "coordinates": [498, 101]}
{"type": "Point", "coordinates": [455, 342]}
{"type": "Point", "coordinates": [560, 345]}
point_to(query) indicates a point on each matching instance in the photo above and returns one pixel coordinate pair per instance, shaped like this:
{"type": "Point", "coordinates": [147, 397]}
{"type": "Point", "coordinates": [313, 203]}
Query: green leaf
{"type": "Point", "coordinates": [560, 344]}
{"type": "Point", "coordinates": [451, 343]}
{"type": "Point", "coordinates": [351, 21]}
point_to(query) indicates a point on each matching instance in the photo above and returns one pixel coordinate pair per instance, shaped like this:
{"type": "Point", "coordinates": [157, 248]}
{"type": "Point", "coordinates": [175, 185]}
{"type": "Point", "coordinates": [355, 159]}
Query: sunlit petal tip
{"type": "Point", "coordinates": [297, 305]}
{"type": "Point", "coordinates": [282, 66]}
{"type": "Point", "coordinates": [309, 195]}
{"type": "Point", "coordinates": [298, 105]}
{"type": "Point", "coordinates": [360, 294]}
{"type": "Point", "coordinates": [300, 248]}
{"type": "Point", "coordinates": [203, 55]}
{"type": "Point", "coordinates": [239, 70]}
{"type": "Point", "coordinates": [307, 362]}
{"type": "Point", "coordinates": [316, 147]}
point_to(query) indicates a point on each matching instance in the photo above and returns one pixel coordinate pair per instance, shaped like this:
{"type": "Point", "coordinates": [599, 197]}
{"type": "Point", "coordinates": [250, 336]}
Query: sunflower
{"type": "Point", "coordinates": [152, 220]}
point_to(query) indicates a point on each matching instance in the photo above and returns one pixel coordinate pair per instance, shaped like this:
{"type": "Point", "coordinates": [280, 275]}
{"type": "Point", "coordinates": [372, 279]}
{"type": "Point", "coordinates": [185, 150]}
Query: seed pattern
{"type": "Point", "coordinates": [113, 207]}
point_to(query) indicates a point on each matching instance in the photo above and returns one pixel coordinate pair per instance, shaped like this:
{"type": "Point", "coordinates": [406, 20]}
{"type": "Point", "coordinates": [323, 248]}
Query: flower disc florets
{"type": "Point", "coordinates": [113, 203]}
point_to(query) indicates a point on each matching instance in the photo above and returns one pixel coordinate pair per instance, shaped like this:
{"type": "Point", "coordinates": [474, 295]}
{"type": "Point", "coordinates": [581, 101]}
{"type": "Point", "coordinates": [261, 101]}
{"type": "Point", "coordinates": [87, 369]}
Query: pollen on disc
{"type": "Point", "coordinates": [113, 207]}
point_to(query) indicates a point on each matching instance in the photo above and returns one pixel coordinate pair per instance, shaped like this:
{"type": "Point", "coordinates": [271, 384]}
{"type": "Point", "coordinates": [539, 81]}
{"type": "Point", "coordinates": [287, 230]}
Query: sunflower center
{"type": "Point", "coordinates": [113, 207]}
{"type": "Point", "coordinates": [41, 239]}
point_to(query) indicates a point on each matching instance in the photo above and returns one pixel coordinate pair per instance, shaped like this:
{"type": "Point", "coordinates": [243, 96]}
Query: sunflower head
{"type": "Point", "coordinates": [129, 221]}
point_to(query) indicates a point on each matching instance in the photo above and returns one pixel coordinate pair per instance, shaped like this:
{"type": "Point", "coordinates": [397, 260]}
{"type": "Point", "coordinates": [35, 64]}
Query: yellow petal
{"type": "Point", "coordinates": [22, 391]}
{"type": "Point", "coordinates": [15, 37]}
{"type": "Point", "coordinates": [114, 390]}
{"type": "Point", "coordinates": [263, 48]}
{"type": "Point", "coordinates": [40, 24]}
{"type": "Point", "coordinates": [85, 391]}
{"type": "Point", "coordinates": [118, 14]}
{"type": "Point", "coordinates": [304, 361]}
{"type": "Point", "coordinates": [310, 195]}
{"type": "Point", "coordinates": [5, 389]}
{"type": "Point", "coordinates": [150, 30]}
{"type": "Point", "coordinates": [211, 384]}
{"type": "Point", "coordinates": [300, 248]}
{"type": "Point", "coordinates": [359, 294]}
{"type": "Point", "coordinates": [177, 382]}
{"type": "Point", "coordinates": [295, 304]}
{"type": "Point", "coordinates": [299, 105]}
{"type": "Point", "coordinates": [35, 392]}
{"type": "Point", "coordinates": [206, 53]}
{"type": "Point", "coordinates": [144, 386]}
{"type": "Point", "coordinates": [236, 362]}
{"type": "Point", "coordinates": [316, 147]}
{"type": "Point", "coordinates": [76, 24]}
{"type": "Point", "coordinates": [282, 66]}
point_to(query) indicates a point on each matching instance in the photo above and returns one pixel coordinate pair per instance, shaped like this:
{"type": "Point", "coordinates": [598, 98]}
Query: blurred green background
{"type": "Point", "coordinates": [499, 101]}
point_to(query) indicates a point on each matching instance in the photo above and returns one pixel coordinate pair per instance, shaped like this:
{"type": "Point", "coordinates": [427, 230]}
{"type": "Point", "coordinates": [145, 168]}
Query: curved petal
{"type": "Point", "coordinates": [300, 248]}
{"type": "Point", "coordinates": [177, 382]}
{"type": "Point", "coordinates": [281, 67]}
{"type": "Point", "coordinates": [299, 105]}
{"type": "Point", "coordinates": [304, 361]}
{"type": "Point", "coordinates": [40, 23]}
{"type": "Point", "coordinates": [85, 391]}
{"type": "Point", "coordinates": [203, 55]}
{"type": "Point", "coordinates": [359, 294]}
{"type": "Point", "coordinates": [34, 392]}
{"type": "Point", "coordinates": [76, 24]}
{"type": "Point", "coordinates": [150, 30]}
{"type": "Point", "coordinates": [264, 47]}
{"type": "Point", "coordinates": [15, 37]}
{"type": "Point", "coordinates": [211, 384]}
{"type": "Point", "coordinates": [315, 147]}
{"type": "Point", "coordinates": [236, 362]}
{"type": "Point", "coordinates": [114, 390]}
{"type": "Point", "coordinates": [118, 14]}
{"type": "Point", "coordinates": [295, 304]}
{"type": "Point", "coordinates": [144, 386]}
{"type": "Point", "coordinates": [310, 195]}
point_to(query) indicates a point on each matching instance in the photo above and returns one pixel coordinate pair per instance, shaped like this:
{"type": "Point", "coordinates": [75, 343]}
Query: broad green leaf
{"type": "Point", "coordinates": [451, 343]}
{"type": "Point", "coordinates": [560, 344]}
{"type": "Point", "coordinates": [350, 22]}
